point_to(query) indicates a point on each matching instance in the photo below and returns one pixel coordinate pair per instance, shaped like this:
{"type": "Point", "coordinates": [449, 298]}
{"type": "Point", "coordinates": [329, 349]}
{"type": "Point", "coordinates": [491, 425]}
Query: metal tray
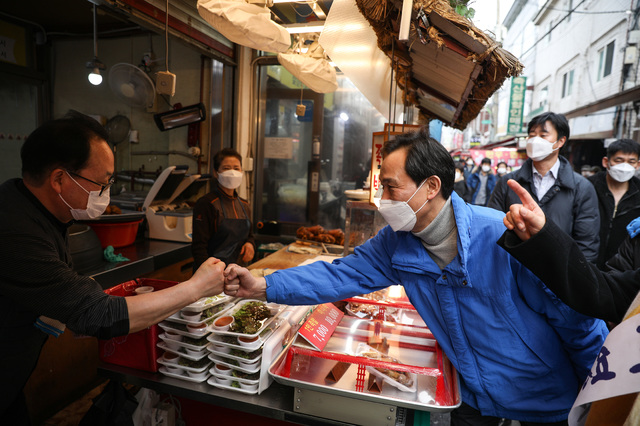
{"type": "Point", "coordinates": [437, 387]}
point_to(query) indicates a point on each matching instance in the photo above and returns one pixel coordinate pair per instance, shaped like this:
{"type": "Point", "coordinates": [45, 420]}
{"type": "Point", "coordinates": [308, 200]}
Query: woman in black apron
{"type": "Point", "coordinates": [221, 224]}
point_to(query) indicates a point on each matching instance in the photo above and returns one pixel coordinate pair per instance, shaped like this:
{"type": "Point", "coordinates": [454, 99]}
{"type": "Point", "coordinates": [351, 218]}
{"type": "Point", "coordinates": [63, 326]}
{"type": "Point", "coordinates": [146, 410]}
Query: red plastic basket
{"type": "Point", "coordinates": [119, 234]}
{"type": "Point", "coordinates": [137, 350]}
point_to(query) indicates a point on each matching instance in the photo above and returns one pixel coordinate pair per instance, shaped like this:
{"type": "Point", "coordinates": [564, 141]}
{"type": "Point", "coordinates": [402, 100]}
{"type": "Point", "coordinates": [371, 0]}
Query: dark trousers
{"type": "Point", "coordinates": [465, 415]}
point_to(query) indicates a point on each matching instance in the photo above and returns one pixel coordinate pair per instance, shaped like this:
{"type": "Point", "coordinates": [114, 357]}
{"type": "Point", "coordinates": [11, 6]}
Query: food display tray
{"type": "Point", "coordinates": [181, 329]}
{"type": "Point", "coordinates": [184, 344]}
{"type": "Point", "coordinates": [213, 372]}
{"type": "Point", "coordinates": [275, 311]}
{"type": "Point", "coordinates": [339, 370]}
{"type": "Point", "coordinates": [208, 302]}
{"type": "Point", "coordinates": [183, 353]}
{"type": "Point", "coordinates": [363, 348]}
{"type": "Point", "coordinates": [223, 306]}
{"type": "Point", "coordinates": [183, 376]}
{"type": "Point", "coordinates": [212, 382]}
{"type": "Point", "coordinates": [235, 357]}
{"type": "Point", "coordinates": [206, 365]}
{"type": "Point", "coordinates": [218, 339]}
{"type": "Point", "coordinates": [224, 361]}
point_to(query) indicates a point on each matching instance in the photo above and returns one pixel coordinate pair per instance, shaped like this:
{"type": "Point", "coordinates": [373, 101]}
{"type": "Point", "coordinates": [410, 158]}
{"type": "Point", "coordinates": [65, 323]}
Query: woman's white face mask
{"type": "Point", "coordinates": [399, 214]}
{"type": "Point", "coordinates": [230, 179]}
{"type": "Point", "coordinates": [96, 204]}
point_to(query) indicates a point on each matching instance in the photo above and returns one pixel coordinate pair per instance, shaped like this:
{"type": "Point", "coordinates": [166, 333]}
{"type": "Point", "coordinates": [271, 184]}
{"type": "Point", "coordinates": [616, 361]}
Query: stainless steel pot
{"type": "Point", "coordinates": [85, 248]}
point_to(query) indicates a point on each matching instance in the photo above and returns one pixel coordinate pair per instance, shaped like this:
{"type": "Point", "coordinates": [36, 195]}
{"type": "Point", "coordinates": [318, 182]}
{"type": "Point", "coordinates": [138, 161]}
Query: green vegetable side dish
{"type": "Point", "coordinates": [247, 376]}
{"type": "Point", "coordinates": [235, 384]}
{"type": "Point", "coordinates": [195, 342]}
{"type": "Point", "coordinates": [194, 364]}
{"type": "Point", "coordinates": [246, 355]}
{"type": "Point", "coordinates": [250, 317]}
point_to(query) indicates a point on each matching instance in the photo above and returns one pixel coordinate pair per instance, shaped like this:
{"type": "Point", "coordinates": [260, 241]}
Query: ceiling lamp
{"type": "Point", "coordinates": [95, 65]}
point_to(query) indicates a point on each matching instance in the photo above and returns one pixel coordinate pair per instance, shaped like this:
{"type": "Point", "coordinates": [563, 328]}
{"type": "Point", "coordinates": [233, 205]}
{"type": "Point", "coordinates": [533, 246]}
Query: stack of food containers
{"type": "Point", "coordinates": [237, 345]}
{"type": "Point", "coordinates": [184, 340]}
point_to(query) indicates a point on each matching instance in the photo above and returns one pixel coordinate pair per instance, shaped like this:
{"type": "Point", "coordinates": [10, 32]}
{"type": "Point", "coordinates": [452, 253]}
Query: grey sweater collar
{"type": "Point", "coordinates": [440, 237]}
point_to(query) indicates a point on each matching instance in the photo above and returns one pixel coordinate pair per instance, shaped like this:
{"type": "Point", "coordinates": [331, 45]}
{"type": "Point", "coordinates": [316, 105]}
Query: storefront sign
{"type": "Point", "coordinates": [281, 148]}
{"type": "Point", "coordinates": [13, 44]}
{"type": "Point", "coordinates": [516, 104]}
{"type": "Point", "coordinates": [320, 325]}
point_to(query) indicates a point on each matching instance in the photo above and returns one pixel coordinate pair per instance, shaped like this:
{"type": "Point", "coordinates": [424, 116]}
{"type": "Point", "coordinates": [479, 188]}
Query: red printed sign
{"type": "Point", "coordinates": [320, 325]}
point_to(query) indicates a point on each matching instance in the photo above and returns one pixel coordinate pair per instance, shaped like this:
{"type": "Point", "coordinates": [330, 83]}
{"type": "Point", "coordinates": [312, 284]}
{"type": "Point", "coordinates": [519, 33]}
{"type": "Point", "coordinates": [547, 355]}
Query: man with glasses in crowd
{"type": "Point", "coordinates": [67, 170]}
{"type": "Point", "coordinates": [618, 195]}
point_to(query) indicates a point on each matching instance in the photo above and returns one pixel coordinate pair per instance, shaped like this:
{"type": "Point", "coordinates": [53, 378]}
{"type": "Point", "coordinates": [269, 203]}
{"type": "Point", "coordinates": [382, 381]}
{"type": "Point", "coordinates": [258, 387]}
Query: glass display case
{"type": "Point", "coordinates": [362, 221]}
{"type": "Point", "coordinates": [376, 361]}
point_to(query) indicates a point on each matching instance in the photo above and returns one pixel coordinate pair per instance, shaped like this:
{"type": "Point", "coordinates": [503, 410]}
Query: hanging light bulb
{"type": "Point", "coordinates": [95, 65]}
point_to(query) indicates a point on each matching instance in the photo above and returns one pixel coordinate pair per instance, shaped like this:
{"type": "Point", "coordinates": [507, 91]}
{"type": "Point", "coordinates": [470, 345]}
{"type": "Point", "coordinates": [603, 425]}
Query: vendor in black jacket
{"type": "Point", "coordinates": [221, 219]}
{"type": "Point", "coordinates": [618, 195]}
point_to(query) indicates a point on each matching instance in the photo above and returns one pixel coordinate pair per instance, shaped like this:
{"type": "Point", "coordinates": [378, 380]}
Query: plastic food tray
{"type": "Point", "coordinates": [275, 311]}
{"type": "Point", "coordinates": [213, 372]}
{"type": "Point", "coordinates": [207, 302]}
{"type": "Point", "coordinates": [182, 353]}
{"type": "Point", "coordinates": [204, 367]}
{"type": "Point", "coordinates": [212, 382]}
{"type": "Point", "coordinates": [218, 340]}
{"type": "Point", "coordinates": [184, 344]}
{"type": "Point", "coordinates": [220, 360]}
{"type": "Point", "coordinates": [182, 376]}
{"type": "Point", "coordinates": [178, 319]}
{"type": "Point", "coordinates": [181, 329]}
{"type": "Point", "coordinates": [234, 357]}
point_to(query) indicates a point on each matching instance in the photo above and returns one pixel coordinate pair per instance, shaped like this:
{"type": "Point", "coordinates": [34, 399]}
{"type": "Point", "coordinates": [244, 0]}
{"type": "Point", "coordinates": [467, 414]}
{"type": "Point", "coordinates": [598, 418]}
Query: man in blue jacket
{"type": "Point", "coordinates": [481, 183]}
{"type": "Point", "coordinates": [521, 353]}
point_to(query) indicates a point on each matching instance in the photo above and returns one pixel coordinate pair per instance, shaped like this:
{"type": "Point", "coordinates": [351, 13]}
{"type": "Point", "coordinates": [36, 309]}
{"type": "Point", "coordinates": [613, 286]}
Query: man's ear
{"type": "Point", "coordinates": [433, 185]}
{"type": "Point", "coordinates": [561, 141]}
{"type": "Point", "coordinates": [55, 180]}
{"type": "Point", "coordinates": [605, 162]}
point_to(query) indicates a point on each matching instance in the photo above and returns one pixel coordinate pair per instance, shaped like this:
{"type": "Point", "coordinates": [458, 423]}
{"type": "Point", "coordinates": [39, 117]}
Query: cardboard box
{"type": "Point", "coordinates": [136, 350]}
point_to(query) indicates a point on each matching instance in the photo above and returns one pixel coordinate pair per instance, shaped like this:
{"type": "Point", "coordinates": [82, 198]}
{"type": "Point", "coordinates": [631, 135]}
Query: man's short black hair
{"type": "Point", "coordinates": [486, 160]}
{"type": "Point", "coordinates": [426, 157]}
{"type": "Point", "coordinates": [224, 153]}
{"type": "Point", "coordinates": [62, 143]}
{"type": "Point", "coordinates": [460, 165]}
{"type": "Point", "coordinates": [558, 121]}
{"type": "Point", "coordinates": [626, 146]}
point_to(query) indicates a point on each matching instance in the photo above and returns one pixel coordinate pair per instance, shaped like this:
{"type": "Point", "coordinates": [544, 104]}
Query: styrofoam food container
{"type": "Point", "coordinates": [223, 323]}
{"type": "Point", "coordinates": [190, 316]}
{"type": "Point", "coordinates": [171, 357]}
{"type": "Point", "coordinates": [193, 352]}
{"type": "Point", "coordinates": [249, 365]}
{"type": "Point", "coordinates": [220, 348]}
{"type": "Point", "coordinates": [144, 289]}
{"type": "Point", "coordinates": [248, 387]}
{"type": "Point", "coordinates": [197, 328]}
{"type": "Point", "coordinates": [199, 375]}
{"type": "Point", "coordinates": [222, 369]}
{"type": "Point", "coordinates": [223, 380]}
{"type": "Point", "coordinates": [174, 369]}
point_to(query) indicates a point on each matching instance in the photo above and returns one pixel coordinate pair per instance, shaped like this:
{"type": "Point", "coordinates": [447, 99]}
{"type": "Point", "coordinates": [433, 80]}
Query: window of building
{"type": "Point", "coordinates": [605, 60]}
{"type": "Point", "coordinates": [544, 94]}
{"type": "Point", "coordinates": [567, 83]}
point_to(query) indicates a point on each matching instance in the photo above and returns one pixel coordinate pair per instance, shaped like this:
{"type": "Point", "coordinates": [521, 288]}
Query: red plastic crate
{"type": "Point", "coordinates": [137, 350]}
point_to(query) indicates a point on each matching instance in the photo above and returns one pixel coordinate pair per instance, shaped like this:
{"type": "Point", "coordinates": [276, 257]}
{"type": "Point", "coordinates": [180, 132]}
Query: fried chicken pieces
{"type": "Point", "coordinates": [318, 233]}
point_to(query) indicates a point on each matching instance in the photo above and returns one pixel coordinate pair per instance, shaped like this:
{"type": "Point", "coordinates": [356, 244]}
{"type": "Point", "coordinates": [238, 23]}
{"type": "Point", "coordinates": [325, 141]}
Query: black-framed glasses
{"type": "Point", "coordinates": [102, 186]}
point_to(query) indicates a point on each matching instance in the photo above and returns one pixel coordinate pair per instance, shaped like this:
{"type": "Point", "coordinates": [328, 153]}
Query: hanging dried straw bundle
{"type": "Point", "coordinates": [497, 63]}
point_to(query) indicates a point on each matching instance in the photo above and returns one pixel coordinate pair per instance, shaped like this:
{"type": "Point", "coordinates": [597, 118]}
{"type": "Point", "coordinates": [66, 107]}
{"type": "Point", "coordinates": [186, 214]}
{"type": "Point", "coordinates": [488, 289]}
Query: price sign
{"type": "Point", "coordinates": [320, 325]}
